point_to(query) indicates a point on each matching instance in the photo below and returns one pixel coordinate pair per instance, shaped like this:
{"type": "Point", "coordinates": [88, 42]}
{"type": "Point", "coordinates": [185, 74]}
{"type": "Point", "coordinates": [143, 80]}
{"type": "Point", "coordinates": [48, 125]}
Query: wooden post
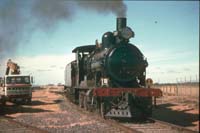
{"type": "Point", "coordinates": [154, 101]}
{"type": "Point", "coordinates": [177, 91]}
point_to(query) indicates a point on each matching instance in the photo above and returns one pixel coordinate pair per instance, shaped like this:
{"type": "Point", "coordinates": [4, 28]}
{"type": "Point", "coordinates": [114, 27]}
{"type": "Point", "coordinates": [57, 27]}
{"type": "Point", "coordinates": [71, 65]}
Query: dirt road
{"type": "Point", "coordinates": [51, 112]}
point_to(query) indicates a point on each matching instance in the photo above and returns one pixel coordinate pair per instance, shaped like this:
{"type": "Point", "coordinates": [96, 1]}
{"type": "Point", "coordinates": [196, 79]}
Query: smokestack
{"type": "Point", "coordinates": [121, 23]}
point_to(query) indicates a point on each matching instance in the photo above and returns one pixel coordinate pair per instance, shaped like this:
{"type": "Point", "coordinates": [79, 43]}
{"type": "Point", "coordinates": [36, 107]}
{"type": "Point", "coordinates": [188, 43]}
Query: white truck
{"type": "Point", "coordinates": [14, 86]}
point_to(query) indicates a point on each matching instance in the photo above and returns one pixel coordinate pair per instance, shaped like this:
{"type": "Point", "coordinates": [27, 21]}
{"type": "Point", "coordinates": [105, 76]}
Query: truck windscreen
{"type": "Point", "coordinates": [18, 80]}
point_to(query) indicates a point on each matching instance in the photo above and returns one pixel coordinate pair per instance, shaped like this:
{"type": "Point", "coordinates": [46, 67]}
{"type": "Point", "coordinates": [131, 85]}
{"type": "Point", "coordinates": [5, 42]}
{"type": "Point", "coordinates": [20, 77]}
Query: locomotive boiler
{"type": "Point", "coordinates": [110, 76]}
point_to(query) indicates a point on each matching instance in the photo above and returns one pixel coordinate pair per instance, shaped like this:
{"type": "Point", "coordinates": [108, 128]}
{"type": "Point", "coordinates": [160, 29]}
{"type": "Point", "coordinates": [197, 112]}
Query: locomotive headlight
{"type": "Point", "coordinates": [127, 33]}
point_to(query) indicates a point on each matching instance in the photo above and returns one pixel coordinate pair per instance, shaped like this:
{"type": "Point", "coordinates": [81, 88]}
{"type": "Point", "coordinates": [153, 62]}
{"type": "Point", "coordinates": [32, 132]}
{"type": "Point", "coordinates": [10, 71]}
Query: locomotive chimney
{"type": "Point", "coordinates": [121, 23]}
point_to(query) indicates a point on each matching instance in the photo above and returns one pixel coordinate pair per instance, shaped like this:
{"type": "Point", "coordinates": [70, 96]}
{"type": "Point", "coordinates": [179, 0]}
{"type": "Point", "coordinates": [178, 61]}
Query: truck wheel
{"type": "Point", "coordinates": [4, 102]}
{"type": "Point", "coordinates": [29, 101]}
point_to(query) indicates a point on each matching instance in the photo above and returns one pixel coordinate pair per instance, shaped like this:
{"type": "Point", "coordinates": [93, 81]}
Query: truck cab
{"type": "Point", "coordinates": [16, 88]}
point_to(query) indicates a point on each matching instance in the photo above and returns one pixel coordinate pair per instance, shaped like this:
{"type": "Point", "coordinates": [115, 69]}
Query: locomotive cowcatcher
{"type": "Point", "coordinates": [110, 76]}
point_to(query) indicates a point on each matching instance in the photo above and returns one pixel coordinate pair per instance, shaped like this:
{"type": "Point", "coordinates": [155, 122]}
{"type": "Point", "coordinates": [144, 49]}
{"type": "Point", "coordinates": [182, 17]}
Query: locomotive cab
{"type": "Point", "coordinates": [78, 67]}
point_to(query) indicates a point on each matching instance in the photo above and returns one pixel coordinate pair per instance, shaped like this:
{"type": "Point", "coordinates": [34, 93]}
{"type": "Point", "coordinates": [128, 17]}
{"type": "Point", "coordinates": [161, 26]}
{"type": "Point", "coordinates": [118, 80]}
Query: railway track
{"type": "Point", "coordinates": [149, 125]}
{"type": "Point", "coordinates": [8, 125]}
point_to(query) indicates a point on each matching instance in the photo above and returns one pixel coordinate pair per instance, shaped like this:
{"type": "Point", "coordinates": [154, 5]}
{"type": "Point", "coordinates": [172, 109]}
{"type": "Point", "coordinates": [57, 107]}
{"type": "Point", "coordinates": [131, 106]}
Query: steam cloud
{"type": "Point", "coordinates": [19, 18]}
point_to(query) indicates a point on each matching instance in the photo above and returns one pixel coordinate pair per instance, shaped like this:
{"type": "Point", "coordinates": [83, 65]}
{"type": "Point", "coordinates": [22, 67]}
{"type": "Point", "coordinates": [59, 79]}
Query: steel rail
{"type": "Point", "coordinates": [173, 126]}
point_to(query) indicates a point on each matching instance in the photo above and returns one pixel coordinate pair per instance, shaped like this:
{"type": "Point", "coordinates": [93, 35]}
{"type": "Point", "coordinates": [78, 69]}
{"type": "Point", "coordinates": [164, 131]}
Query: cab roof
{"type": "Point", "coordinates": [86, 48]}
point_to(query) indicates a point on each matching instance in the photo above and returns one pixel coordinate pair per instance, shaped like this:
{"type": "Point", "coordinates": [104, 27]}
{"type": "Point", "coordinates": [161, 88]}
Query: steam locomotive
{"type": "Point", "coordinates": [110, 76]}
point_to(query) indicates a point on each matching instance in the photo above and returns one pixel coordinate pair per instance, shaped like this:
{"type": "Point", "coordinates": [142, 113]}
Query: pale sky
{"type": "Point", "coordinates": [166, 32]}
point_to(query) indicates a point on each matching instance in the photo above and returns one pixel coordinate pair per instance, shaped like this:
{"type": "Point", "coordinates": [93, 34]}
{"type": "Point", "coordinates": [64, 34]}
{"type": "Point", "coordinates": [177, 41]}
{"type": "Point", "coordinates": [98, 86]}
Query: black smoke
{"type": "Point", "coordinates": [19, 18]}
{"type": "Point", "coordinates": [116, 7]}
{"type": "Point", "coordinates": [48, 13]}
{"type": "Point", "coordinates": [11, 26]}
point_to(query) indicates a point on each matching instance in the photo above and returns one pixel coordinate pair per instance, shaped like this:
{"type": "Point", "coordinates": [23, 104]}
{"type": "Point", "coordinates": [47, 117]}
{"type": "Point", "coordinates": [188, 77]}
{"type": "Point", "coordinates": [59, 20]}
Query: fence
{"type": "Point", "coordinates": [187, 93]}
{"type": "Point", "coordinates": [180, 89]}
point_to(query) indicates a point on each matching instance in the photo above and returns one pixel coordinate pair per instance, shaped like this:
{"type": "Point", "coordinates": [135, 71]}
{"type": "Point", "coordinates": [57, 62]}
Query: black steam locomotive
{"type": "Point", "coordinates": [110, 76]}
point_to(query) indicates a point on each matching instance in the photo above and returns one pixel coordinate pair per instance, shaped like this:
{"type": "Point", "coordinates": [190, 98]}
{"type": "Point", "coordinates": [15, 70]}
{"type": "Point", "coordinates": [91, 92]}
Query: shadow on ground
{"type": "Point", "coordinates": [57, 92]}
{"type": "Point", "coordinates": [182, 118]}
{"type": "Point", "coordinates": [37, 103]}
{"type": "Point", "coordinates": [14, 108]}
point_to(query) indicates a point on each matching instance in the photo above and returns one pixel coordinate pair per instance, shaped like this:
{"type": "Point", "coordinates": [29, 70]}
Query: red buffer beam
{"type": "Point", "coordinates": [142, 92]}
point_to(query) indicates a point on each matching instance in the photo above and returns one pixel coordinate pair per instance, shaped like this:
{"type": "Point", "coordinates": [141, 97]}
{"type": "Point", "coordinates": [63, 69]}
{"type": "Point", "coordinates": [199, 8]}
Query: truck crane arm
{"type": "Point", "coordinates": [12, 68]}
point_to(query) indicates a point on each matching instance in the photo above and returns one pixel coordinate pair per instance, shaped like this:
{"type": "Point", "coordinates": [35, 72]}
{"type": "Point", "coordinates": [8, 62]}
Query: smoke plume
{"type": "Point", "coordinates": [105, 6]}
{"type": "Point", "coordinates": [49, 12]}
{"type": "Point", "coordinates": [11, 27]}
{"type": "Point", "coordinates": [19, 18]}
